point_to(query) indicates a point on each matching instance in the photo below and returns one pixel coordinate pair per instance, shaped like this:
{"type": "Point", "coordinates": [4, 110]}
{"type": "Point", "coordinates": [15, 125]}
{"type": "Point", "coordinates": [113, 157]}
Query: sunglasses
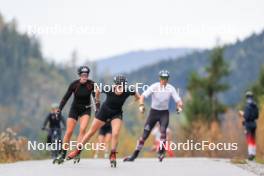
{"type": "Point", "coordinates": [84, 75]}
{"type": "Point", "coordinates": [164, 78]}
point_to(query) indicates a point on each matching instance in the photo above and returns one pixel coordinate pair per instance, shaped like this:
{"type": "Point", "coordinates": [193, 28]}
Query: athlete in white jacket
{"type": "Point", "coordinates": [160, 93]}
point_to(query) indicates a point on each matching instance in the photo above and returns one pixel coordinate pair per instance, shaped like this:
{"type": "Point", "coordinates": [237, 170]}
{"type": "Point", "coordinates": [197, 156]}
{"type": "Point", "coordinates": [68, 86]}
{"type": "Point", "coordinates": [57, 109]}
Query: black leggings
{"type": "Point", "coordinates": [161, 116]}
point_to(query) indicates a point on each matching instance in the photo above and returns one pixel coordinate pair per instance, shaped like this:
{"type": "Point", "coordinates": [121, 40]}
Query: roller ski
{"type": "Point", "coordinates": [112, 158]}
{"type": "Point", "coordinates": [161, 156]}
{"type": "Point", "coordinates": [60, 159]}
{"type": "Point", "coordinates": [77, 159]}
{"type": "Point", "coordinates": [75, 156]}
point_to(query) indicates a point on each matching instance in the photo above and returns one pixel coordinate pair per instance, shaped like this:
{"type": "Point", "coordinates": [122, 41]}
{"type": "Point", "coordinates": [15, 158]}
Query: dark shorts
{"type": "Point", "coordinates": [106, 129]}
{"type": "Point", "coordinates": [251, 131]}
{"type": "Point", "coordinates": [107, 114]}
{"type": "Point", "coordinates": [78, 111]}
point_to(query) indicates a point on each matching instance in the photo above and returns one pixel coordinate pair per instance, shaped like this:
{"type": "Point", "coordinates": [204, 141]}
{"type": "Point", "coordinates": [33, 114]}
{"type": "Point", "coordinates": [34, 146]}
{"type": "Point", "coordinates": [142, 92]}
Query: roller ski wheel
{"type": "Point", "coordinates": [77, 159]}
{"type": "Point", "coordinates": [75, 156]}
{"type": "Point", "coordinates": [113, 163]}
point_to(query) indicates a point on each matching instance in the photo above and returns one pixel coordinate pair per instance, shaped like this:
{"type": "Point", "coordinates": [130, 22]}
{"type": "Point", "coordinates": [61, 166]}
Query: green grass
{"type": "Point", "coordinates": [238, 161]}
{"type": "Point", "coordinates": [260, 161]}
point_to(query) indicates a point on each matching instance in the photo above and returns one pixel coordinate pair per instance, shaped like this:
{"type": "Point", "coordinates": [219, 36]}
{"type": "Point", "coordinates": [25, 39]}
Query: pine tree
{"type": "Point", "coordinates": [258, 87]}
{"type": "Point", "coordinates": [203, 102]}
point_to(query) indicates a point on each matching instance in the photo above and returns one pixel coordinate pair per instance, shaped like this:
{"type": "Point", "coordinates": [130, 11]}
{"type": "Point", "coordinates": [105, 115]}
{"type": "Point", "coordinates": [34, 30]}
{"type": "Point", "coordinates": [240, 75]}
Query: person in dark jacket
{"type": "Point", "coordinates": [85, 97]}
{"type": "Point", "coordinates": [53, 120]}
{"type": "Point", "coordinates": [250, 116]}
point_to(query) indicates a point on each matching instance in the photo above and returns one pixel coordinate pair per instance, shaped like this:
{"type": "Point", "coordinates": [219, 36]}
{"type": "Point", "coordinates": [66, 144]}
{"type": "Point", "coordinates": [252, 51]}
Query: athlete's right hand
{"type": "Point", "coordinates": [141, 108]}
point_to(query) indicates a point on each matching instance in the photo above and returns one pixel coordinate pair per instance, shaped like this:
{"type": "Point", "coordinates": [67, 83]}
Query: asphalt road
{"type": "Point", "coordinates": [141, 167]}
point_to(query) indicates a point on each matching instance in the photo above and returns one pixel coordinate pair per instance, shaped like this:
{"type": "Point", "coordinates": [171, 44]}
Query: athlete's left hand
{"type": "Point", "coordinates": [179, 106]}
{"type": "Point", "coordinates": [178, 110]}
{"type": "Point", "coordinates": [141, 108]}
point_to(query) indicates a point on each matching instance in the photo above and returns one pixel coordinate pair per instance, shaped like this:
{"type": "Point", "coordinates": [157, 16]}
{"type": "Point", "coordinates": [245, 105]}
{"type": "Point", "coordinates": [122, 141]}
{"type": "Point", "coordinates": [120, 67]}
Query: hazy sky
{"type": "Point", "coordinates": [102, 28]}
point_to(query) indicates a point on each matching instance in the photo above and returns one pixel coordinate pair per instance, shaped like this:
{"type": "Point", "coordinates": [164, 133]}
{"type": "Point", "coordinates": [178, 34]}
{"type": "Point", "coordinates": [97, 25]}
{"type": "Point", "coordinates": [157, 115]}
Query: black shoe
{"type": "Point", "coordinates": [132, 157]}
{"type": "Point", "coordinates": [251, 157]}
{"type": "Point", "coordinates": [129, 158]}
